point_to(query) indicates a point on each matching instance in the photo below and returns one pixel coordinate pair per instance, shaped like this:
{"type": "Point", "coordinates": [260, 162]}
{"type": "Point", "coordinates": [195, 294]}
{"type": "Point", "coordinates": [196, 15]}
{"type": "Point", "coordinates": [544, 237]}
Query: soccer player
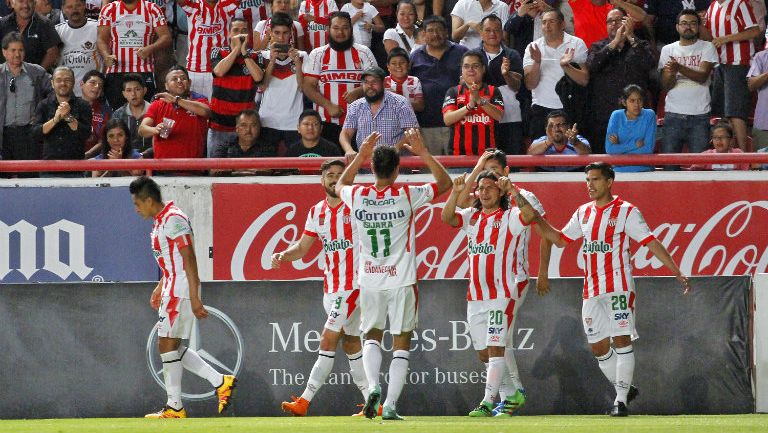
{"type": "Point", "coordinates": [330, 220]}
{"type": "Point", "coordinates": [384, 215]}
{"type": "Point", "coordinates": [608, 310]}
{"type": "Point", "coordinates": [498, 237]}
{"type": "Point", "coordinates": [177, 297]}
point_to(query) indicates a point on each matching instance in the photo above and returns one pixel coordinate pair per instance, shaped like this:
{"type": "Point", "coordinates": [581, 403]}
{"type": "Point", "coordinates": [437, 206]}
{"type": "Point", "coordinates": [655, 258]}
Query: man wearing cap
{"type": "Point", "coordinates": [387, 113]}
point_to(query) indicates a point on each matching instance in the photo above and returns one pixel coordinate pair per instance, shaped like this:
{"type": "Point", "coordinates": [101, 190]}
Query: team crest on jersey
{"type": "Point", "coordinates": [588, 321]}
{"type": "Point", "coordinates": [347, 219]}
{"type": "Point", "coordinates": [129, 24]}
{"type": "Point", "coordinates": [612, 222]}
{"type": "Point", "coordinates": [88, 45]}
{"type": "Point", "coordinates": [497, 224]}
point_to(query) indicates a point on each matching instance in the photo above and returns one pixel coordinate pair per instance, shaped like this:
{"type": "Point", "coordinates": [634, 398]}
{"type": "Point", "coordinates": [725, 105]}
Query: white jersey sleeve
{"type": "Point", "coordinates": [465, 215]}
{"type": "Point", "coordinates": [310, 229]}
{"type": "Point", "coordinates": [347, 193]}
{"type": "Point", "coordinates": [637, 228]}
{"type": "Point", "coordinates": [177, 226]}
{"type": "Point", "coordinates": [422, 194]}
{"type": "Point", "coordinates": [314, 64]}
{"type": "Point", "coordinates": [572, 229]}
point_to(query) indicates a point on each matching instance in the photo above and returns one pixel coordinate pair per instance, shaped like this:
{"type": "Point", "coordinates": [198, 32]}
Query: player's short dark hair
{"type": "Point", "coordinates": [143, 187]}
{"type": "Point", "coordinates": [605, 168]}
{"type": "Point", "coordinates": [558, 113]}
{"type": "Point", "coordinates": [11, 38]}
{"type": "Point", "coordinates": [688, 12]}
{"type": "Point", "coordinates": [94, 73]}
{"type": "Point", "coordinates": [432, 19]}
{"type": "Point", "coordinates": [282, 19]}
{"type": "Point", "coordinates": [475, 53]}
{"type": "Point", "coordinates": [499, 156]}
{"type": "Point", "coordinates": [340, 14]}
{"type": "Point", "coordinates": [310, 113]}
{"type": "Point", "coordinates": [398, 52]}
{"type": "Point", "coordinates": [503, 200]}
{"type": "Point", "coordinates": [385, 161]}
{"type": "Point", "coordinates": [237, 19]}
{"type": "Point", "coordinates": [133, 78]}
{"type": "Point", "coordinates": [330, 163]}
{"type": "Point", "coordinates": [558, 12]}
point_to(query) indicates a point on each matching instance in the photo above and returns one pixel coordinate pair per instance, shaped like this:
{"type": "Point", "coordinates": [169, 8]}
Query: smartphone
{"type": "Point", "coordinates": [282, 48]}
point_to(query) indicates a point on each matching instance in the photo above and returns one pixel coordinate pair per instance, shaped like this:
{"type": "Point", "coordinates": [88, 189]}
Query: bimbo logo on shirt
{"type": "Point", "coordinates": [596, 247]}
{"type": "Point", "coordinates": [204, 30]}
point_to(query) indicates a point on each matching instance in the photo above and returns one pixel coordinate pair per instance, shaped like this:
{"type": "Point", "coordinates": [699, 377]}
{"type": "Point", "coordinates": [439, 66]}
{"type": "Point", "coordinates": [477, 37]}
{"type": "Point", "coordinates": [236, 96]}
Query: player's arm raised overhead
{"type": "Point", "coordinates": [449, 210]}
{"type": "Point", "coordinates": [365, 150]}
{"type": "Point", "coordinates": [415, 144]}
{"type": "Point", "coordinates": [294, 252]}
{"type": "Point", "coordinates": [464, 199]}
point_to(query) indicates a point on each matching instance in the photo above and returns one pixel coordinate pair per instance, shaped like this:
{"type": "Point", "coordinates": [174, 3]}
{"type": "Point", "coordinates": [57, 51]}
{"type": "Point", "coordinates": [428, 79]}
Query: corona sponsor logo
{"type": "Point", "coordinates": [363, 215]}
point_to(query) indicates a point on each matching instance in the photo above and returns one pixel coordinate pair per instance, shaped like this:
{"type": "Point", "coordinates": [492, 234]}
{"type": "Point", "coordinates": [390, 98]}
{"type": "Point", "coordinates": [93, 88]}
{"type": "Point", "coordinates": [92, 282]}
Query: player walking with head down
{"type": "Point", "coordinates": [497, 248]}
{"type": "Point", "coordinates": [331, 221]}
{"type": "Point", "coordinates": [384, 215]}
{"type": "Point", "coordinates": [608, 311]}
{"type": "Point", "coordinates": [177, 297]}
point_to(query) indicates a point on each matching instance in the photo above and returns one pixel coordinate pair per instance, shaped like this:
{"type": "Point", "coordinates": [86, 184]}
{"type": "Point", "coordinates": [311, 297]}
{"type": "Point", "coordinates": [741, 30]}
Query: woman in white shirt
{"type": "Point", "coordinates": [403, 34]}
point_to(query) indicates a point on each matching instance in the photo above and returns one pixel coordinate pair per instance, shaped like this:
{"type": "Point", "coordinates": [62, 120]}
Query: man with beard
{"type": "Point", "coordinates": [388, 113]}
{"type": "Point", "coordinates": [125, 34]}
{"type": "Point", "coordinates": [78, 35]}
{"type": "Point", "coordinates": [65, 121]}
{"type": "Point", "coordinates": [330, 221]}
{"type": "Point", "coordinates": [333, 72]}
{"type": "Point", "coordinates": [685, 68]}
{"type": "Point", "coordinates": [613, 63]}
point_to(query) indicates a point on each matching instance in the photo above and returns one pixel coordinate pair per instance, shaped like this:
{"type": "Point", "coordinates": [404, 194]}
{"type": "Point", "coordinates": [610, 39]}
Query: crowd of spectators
{"type": "Point", "coordinates": [100, 79]}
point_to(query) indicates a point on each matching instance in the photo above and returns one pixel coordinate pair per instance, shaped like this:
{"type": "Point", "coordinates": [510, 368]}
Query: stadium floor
{"type": "Point", "coordinates": [521, 424]}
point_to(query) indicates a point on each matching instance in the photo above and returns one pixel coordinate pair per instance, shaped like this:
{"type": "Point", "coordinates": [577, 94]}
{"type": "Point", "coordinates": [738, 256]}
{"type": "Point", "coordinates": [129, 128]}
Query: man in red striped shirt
{"type": "Point", "coordinates": [207, 29]}
{"type": "Point", "coordinates": [731, 25]}
{"type": "Point", "coordinates": [126, 30]}
{"type": "Point", "coordinates": [333, 74]}
{"type": "Point", "coordinates": [236, 71]}
{"type": "Point", "coordinates": [607, 224]}
{"type": "Point", "coordinates": [472, 109]}
{"type": "Point", "coordinates": [330, 220]}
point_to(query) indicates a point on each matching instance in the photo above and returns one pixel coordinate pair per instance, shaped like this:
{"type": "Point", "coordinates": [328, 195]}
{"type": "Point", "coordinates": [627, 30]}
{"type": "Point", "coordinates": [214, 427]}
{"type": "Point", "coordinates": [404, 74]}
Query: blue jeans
{"type": "Point", "coordinates": [680, 129]}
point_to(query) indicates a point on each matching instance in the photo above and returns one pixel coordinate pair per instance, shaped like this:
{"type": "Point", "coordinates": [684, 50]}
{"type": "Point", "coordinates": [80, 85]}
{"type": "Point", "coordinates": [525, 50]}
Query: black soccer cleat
{"type": "Point", "coordinates": [632, 394]}
{"type": "Point", "coordinates": [620, 409]}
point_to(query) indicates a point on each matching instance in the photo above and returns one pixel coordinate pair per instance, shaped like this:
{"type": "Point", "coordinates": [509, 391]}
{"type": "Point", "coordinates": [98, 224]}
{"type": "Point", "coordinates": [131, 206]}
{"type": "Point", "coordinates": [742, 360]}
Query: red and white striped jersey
{"type": "Point", "coordinates": [316, 32]}
{"type": "Point", "coordinates": [729, 18]}
{"type": "Point", "coordinates": [497, 250]}
{"type": "Point", "coordinates": [253, 11]}
{"type": "Point", "coordinates": [171, 232]}
{"type": "Point", "coordinates": [336, 230]}
{"type": "Point", "coordinates": [131, 30]}
{"type": "Point", "coordinates": [338, 72]}
{"type": "Point", "coordinates": [387, 232]}
{"type": "Point", "coordinates": [606, 231]}
{"type": "Point", "coordinates": [207, 29]}
{"type": "Point", "coordinates": [410, 87]}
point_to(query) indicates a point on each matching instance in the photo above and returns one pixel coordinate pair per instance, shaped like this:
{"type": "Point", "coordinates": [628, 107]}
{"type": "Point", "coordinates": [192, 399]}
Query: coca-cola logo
{"type": "Point", "coordinates": [704, 239]}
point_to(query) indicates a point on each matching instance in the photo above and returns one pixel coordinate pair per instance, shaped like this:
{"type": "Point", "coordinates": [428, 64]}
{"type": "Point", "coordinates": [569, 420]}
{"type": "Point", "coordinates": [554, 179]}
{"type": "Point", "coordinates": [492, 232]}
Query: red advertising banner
{"type": "Point", "coordinates": [710, 228]}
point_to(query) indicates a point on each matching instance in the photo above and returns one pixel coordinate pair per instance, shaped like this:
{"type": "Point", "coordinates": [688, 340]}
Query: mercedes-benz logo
{"type": "Point", "coordinates": [222, 334]}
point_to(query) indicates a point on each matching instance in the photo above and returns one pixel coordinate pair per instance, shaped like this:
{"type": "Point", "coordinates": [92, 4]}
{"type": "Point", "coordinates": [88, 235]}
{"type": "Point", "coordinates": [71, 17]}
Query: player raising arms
{"type": "Point", "coordinates": [608, 310]}
{"type": "Point", "coordinates": [384, 215]}
{"type": "Point", "coordinates": [177, 297]}
{"type": "Point", "coordinates": [331, 221]}
{"type": "Point", "coordinates": [498, 237]}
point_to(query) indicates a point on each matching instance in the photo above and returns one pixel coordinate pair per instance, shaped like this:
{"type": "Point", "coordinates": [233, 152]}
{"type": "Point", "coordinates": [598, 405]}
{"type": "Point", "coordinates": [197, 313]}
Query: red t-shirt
{"type": "Point", "coordinates": [589, 20]}
{"type": "Point", "coordinates": [187, 137]}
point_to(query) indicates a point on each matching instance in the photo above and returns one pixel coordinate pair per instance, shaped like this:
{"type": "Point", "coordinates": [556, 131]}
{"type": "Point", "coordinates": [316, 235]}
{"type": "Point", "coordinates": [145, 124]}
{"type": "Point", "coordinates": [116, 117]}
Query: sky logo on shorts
{"type": "Point", "coordinates": [596, 247]}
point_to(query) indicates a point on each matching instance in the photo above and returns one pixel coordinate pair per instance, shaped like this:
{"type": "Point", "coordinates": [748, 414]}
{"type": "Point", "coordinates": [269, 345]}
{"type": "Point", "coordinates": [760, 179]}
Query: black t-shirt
{"type": "Point", "coordinates": [323, 148]}
{"type": "Point", "coordinates": [666, 12]}
{"type": "Point", "coordinates": [39, 36]}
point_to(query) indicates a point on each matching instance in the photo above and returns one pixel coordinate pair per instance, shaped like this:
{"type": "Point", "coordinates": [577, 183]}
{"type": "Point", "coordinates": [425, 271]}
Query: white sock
{"type": "Point", "coordinates": [172, 371]}
{"type": "Point", "coordinates": [398, 373]}
{"type": "Point", "coordinates": [319, 373]}
{"type": "Point", "coordinates": [357, 371]}
{"type": "Point", "coordinates": [194, 363]}
{"type": "Point", "coordinates": [625, 369]}
{"type": "Point", "coordinates": [493, 378]}
{"type": "Point", "coordinates": [372, 362]}
{"type": "Point", "coordinates": [607, 365]}
{"type": "Point", "coordinates": [512, 374]}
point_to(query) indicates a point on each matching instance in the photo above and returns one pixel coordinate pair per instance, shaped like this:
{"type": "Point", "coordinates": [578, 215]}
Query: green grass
{"type": "Point", "coordinates": [521, 424]}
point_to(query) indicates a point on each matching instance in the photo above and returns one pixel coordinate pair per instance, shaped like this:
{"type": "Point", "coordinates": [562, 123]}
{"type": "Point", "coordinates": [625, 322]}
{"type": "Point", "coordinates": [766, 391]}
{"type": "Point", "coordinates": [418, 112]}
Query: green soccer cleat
{"type": "Point", "coordinates": [389, 413]}
{"type": "Point", "coordinates": [513, 404]}
{"type": "Point", "coordinates": [371, 408]}
{"type": "Point", "coordinates": [483, 410]}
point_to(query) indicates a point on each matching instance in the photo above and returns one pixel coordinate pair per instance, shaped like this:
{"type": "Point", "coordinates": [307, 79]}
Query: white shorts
{"type": "Point", "coordinates": [343, 311]}
{"type": "Point", "coordinates": [176, 318]}
{"type": "Point", "coordinates": [609, 315]}
{"type": "Point", "coordinates": [491, 321]}
{"type": "Point", "coordinates": [400, 305]}
{"type": "Point", "coordinates": [202, 83]}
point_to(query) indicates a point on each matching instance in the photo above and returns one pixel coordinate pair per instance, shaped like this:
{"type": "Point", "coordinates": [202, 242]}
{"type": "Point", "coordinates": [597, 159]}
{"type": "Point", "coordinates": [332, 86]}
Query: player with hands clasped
{"type": "Point", "coordinates": [608, 311]}
{"type": "Point", "coordinates": [384, 215]}
{"type": "Point", "coordinates": [497, 240]}
{"type": "Point", "coordinates": [176, 297]}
